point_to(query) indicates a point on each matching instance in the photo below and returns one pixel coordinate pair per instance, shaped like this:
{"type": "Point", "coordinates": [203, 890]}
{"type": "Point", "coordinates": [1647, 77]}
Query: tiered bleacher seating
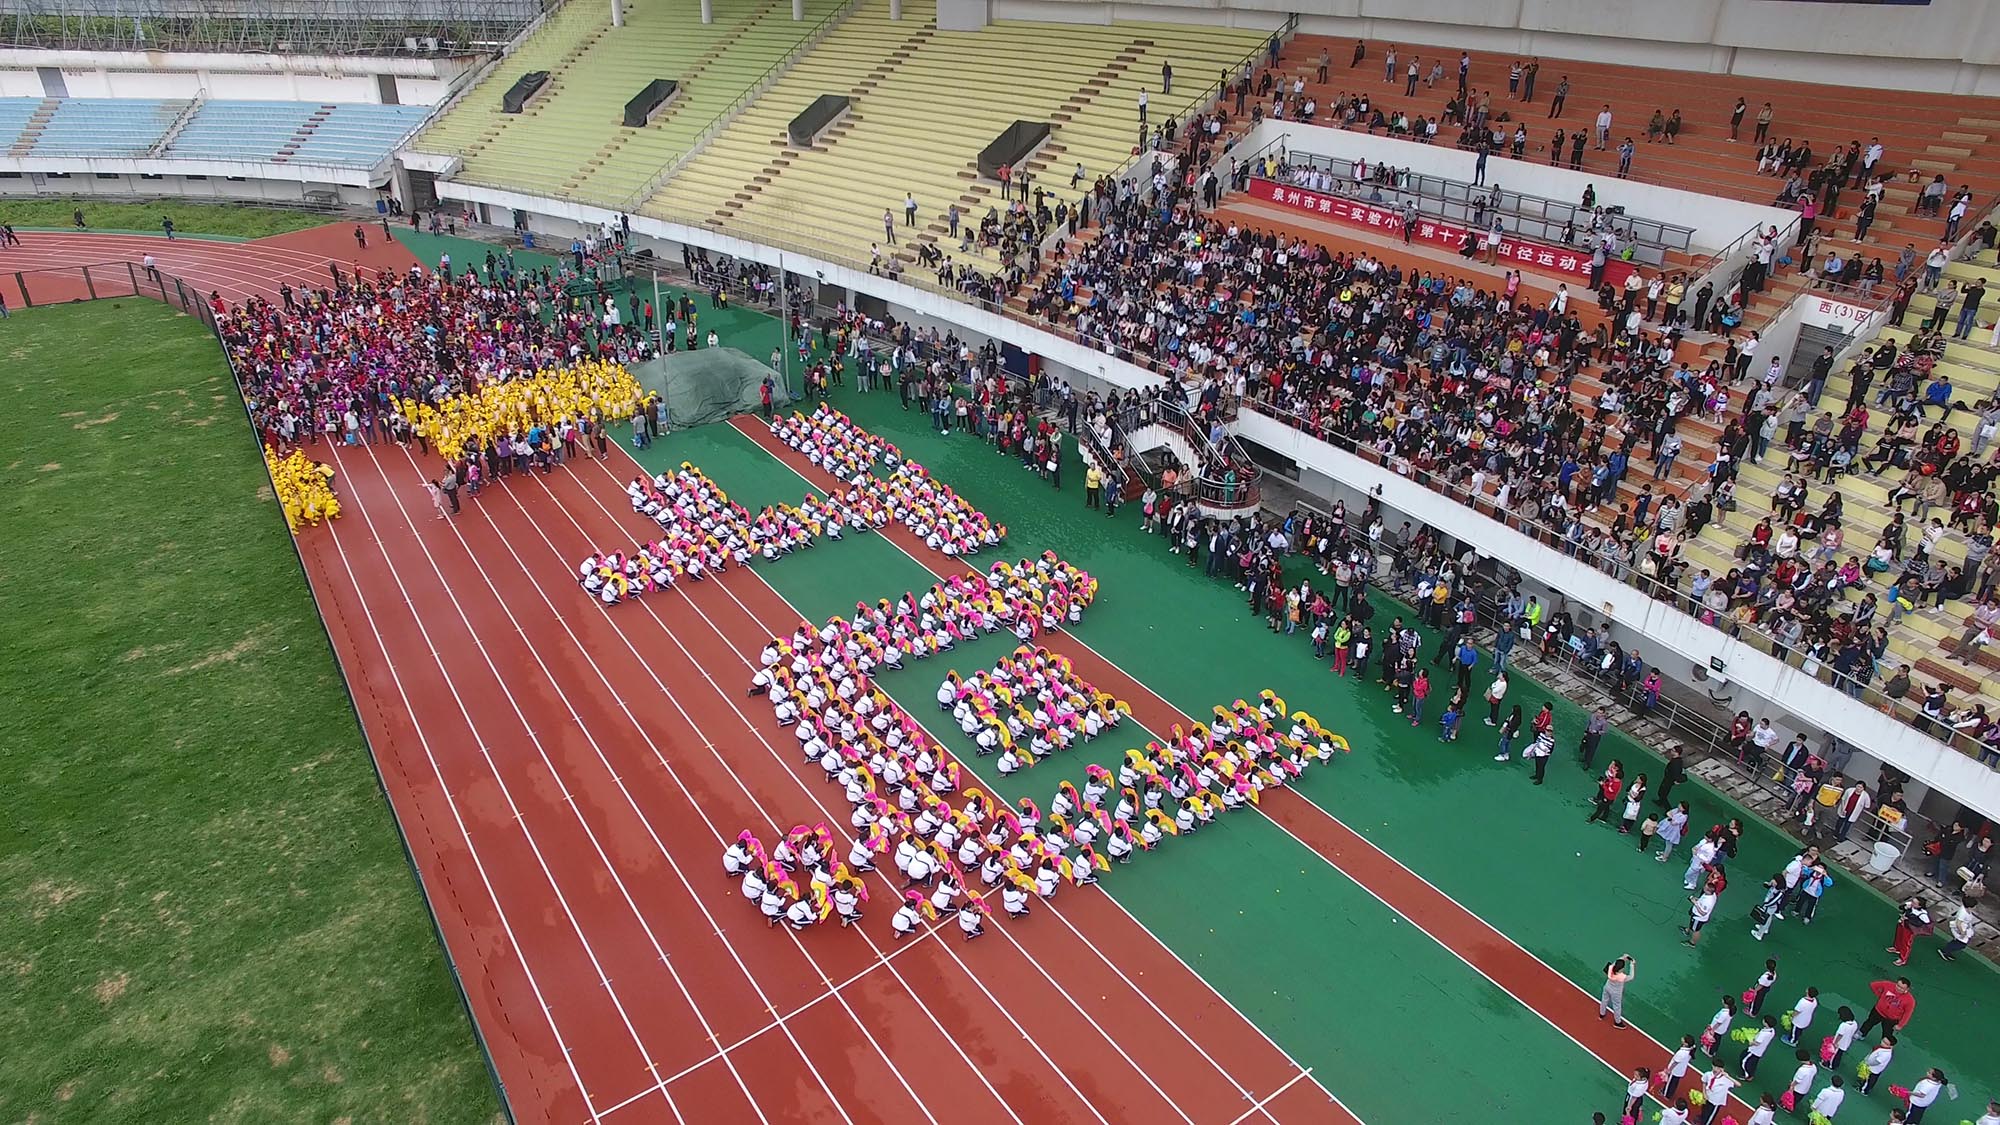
{"type": "Point", "coordinates": [15, 113]}
{"type": "Point", "coordinates": [1924, 640]}
{"type": "Point", "coordinates": [570, 141]}
{"type": "Point", "coordinates": [926, 102]}
{"type": "Point", "coordinates": [353, 134]}
{"type": "Point", "coordinates": [1930, 133]}
{"type": "Point", "coordinates": [92, 126]}
{"type": "Point", "coordinates": [251, 131]}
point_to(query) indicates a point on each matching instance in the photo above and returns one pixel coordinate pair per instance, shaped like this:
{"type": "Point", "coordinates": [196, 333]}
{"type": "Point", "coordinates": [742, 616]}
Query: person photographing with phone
{"type": "Point", "coordinates": [1612, 999]}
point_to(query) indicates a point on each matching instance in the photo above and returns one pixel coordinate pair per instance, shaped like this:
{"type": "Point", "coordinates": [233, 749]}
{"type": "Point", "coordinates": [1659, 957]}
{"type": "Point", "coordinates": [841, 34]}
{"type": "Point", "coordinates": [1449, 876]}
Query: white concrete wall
{"type": "Point", "coordinates": [1716, 222]}
{"type": "Point", "coordinates": [180, 187]}
{"type": "Point", "coordinates": [125, 74]}
{"type": "Point", "coordinates": [85, 167]}
{"type": "Point", "coordinates": [1947, 46]}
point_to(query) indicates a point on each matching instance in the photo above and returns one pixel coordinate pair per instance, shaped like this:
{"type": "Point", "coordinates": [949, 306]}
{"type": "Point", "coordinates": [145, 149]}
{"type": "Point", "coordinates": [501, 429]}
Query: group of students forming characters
{"type": "Point", "coordinates": [898, 783]}
{"type": "Point", "coordinates": [812, 674]}
{"type": "Point", "coordinates": [705, 531]}
{"type": "Point", "coordinates": [898, 780]}
{"type": "Point", "coordinates": [1028, 706]}
{"type": "Point", "coordinates": [939, 516]}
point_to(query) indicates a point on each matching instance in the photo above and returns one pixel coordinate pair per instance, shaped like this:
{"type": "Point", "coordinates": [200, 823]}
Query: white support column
{"type": "Point", "coordinates": [617, 13]}
{"type": "Point", "coordinates": [895, 9]}
{"type": "Point", "coordinates": [708, 11]}
{"type": "Point", "coordinates": [798, 9]}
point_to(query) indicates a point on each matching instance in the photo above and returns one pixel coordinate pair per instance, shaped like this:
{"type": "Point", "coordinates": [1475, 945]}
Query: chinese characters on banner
{"type": "Point", "coordinates": [1521, 254]}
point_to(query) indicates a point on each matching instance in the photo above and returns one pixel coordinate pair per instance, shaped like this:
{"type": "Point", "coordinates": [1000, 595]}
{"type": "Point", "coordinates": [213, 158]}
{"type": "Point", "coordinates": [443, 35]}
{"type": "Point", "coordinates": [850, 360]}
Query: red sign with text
{"type": "Point", "coordinates": [1521, 254]}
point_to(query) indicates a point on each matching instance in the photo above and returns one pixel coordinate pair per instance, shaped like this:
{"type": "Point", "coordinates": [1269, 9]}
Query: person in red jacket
{"type": "Point", "coordinates": [1893, 1006]}
{"type": "Point", "coordinates": [1612, 784]}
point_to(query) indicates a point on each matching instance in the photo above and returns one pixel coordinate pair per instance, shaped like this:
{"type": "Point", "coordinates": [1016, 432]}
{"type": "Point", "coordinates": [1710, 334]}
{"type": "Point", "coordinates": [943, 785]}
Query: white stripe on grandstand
{"type": "Point", "coordinates": [458, 818]}
{"type": "Point", "coordinates": [1108, 961]}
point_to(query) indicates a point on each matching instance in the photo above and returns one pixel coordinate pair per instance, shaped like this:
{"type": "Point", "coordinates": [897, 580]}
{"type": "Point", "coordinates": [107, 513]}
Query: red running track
{"type": "Point", "coordinates": [234, 269]}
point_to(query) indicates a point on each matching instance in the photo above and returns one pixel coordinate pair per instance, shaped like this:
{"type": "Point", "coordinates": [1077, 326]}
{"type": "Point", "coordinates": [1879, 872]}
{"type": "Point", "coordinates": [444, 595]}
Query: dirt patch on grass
{"type": "Point", "coordinates": [279, 1056]}
{"type": "Point", "coordinates": [47, 896]}
{"type": "Point", "coordinates": [265, 493]}
{"type": "Point", "coordinates": [51, 467]}
{"type": "Point", "coordinates": [229, 655]}
{"type": "Point", "coordinates": [66, 1091]}
{"type": "Point", "coordinates": [110, 989]}
{"type": "Point", "coordinates": [103, 421]}
{"type": "Point", "coordinates": [143, 651]}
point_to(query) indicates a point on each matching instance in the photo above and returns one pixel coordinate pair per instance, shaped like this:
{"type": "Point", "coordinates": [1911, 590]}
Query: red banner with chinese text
{"type": "Point", "coordinates": [1520, 253]}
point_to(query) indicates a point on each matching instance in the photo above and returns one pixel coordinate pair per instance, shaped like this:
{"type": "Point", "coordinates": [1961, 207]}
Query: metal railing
{"type": "Point", "coordinates": [1529, 216]}
{"type": "Point", "coordinates": [1631, 572]}
{"type": "Point", "coordinates": [730, 112]}
{"type": "Point", "coordinates": [1226, 475]}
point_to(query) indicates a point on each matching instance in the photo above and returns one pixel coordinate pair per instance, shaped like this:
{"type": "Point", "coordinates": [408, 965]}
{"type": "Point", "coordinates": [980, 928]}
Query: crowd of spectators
{"type": "Point", "coordinates": [1512, 402]}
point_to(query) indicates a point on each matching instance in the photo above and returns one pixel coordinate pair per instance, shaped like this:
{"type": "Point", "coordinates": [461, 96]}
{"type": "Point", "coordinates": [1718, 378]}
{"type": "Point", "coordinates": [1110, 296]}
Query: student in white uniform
{"type": "Point", "coordinates": [969, 921]}
{"type": "Point", "coordinates": [1922, 1095]}
{"type": "Point", "coordinates": [1635, 1090]}
{"type": "Point", "coordinates": [1828, 1100]}
{"type": "Point", "coordinates": [1701, 908]}
{"type": "Point", "coordinates": [737, 859]}
{"type": "Point", "coordinates": [847, 904]}
{"type": "Point", "coordinates": [1843, 1034]}
{"type": "Point", "coordinates": [1802, 1078]}
{"type": "Point", "coordinates": [1717, 1030]}
{"type": "Point", "coordinates": [906, 920]}
{"type": "Point", "coordinates": [1014, 900]}
{"type": "Point", "coordinates": [1759, 1043]}
{"type": "Point", "coordinates": [1766, 1112]}
{"type": "Point", "coordinates": [1876, 1061]}
{"type": "Point", "coordinates": [1992, 1114]}
{"type": "Point", "coordinates": [1677, 1066]}
{"type": "Point", "coordinates": [800, 915]}
{"type": "Point", "coordinates": [1802, 1015]}
{"type": "Point", "coordinates": [1715, 1086]}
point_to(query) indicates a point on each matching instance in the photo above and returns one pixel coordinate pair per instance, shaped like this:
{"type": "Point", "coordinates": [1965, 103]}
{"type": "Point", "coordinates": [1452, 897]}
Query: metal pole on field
{"type": "Point", "coordinates": [659, 315]}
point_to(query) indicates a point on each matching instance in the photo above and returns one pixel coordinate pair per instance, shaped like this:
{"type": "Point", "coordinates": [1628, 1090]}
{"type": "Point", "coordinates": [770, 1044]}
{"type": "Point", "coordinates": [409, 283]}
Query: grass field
{"type": "Point", "coordinates": [208, 915]}
{"type": "Point", "coordinates": [214, 220]}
